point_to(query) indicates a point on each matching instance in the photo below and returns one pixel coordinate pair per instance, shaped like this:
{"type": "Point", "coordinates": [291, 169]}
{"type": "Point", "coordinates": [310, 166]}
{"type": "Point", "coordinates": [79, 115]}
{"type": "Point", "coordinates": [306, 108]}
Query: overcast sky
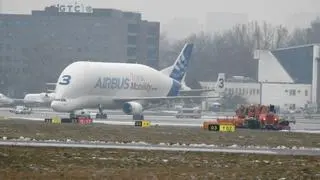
{"type": "Point", "coordinates": [275, 11]}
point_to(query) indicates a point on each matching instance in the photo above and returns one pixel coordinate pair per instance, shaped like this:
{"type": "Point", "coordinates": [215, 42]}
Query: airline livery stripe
{"type": "Point", "coordinates": [175, 88]}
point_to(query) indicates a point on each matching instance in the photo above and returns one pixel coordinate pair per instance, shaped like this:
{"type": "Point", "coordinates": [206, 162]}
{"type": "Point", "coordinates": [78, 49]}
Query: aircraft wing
{"type": "Point", "coordinates": [196, 90]}
{"type": "Point", "coordinates": [51, 84]}
{"type": "Point", "coordinates": [161, 98]}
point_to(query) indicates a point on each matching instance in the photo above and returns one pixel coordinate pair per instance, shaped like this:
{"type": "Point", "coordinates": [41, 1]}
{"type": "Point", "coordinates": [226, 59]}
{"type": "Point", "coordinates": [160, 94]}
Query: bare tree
{"type": "Point", "coordinates": [282, 36]}
{"type": "Point", "coordinates": [231, 51]}
{"type": "Point", "coordinates": [298, 37]}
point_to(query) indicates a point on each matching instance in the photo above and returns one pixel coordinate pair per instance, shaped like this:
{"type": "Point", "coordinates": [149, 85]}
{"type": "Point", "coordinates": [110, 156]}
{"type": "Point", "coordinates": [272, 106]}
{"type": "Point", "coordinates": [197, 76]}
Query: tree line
{"type": "Point", "coordinates": [231, 51]}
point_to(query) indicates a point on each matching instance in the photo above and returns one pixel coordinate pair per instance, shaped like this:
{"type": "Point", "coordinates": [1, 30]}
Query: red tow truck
{"type": "Point", "coordinates": [261, 117]}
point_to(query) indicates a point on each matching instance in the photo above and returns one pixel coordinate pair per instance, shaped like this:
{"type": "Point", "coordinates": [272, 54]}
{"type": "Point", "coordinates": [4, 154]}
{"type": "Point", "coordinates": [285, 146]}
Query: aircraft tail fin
{"type": "Point", "coordinates": [178, 70]}
{"type": "Point", "coordinates": [220, 84]}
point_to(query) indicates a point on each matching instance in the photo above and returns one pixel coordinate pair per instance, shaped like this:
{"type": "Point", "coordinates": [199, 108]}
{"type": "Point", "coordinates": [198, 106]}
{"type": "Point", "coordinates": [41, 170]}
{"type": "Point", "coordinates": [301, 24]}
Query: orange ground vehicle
{"type": "Point", "coordinates": [260, 116]}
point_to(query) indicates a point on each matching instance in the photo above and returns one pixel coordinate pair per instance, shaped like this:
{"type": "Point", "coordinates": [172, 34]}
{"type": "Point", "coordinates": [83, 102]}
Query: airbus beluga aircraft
{"type": "Point", "coordinates": [129, 87]}
{"type": "Point", "coordinates": [29, 99]}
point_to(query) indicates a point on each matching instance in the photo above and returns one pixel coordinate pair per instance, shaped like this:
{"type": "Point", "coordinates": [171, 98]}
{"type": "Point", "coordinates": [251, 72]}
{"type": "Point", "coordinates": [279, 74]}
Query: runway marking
{"type": "Point", "coordinates": [133, 147]}
{"type": "Point", "coordinates": [163, 148]}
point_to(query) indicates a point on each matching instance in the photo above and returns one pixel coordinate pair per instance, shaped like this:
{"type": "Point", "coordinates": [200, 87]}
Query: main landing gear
{"type": "Point", "coordinates": [101, 114]}
{"type": "Point", "coordinates": [138, 117]}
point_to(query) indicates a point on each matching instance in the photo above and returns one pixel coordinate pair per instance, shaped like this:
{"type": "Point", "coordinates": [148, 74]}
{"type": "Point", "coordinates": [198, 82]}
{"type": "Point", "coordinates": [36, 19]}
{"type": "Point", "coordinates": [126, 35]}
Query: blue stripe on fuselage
{"type": "Point", "coordinates": [175, 88]}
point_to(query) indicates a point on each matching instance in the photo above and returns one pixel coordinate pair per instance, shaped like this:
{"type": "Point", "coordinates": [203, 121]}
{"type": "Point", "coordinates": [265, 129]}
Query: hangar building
{"type": "Point", "coordinates": [287, 77]}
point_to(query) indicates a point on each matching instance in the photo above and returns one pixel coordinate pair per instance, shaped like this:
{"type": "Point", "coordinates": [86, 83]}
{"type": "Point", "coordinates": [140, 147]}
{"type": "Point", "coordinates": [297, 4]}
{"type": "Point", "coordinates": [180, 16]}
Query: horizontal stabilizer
{"type": "Point", "coordinates": [197, 90]}
{"type": "Point", "coordinates": [51, 84]}
{"type": "Point", "coordinates": [50, 90]}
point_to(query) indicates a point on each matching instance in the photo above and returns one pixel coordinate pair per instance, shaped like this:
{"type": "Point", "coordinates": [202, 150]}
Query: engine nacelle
{"type": "Point", "coordinates": [132, 108]}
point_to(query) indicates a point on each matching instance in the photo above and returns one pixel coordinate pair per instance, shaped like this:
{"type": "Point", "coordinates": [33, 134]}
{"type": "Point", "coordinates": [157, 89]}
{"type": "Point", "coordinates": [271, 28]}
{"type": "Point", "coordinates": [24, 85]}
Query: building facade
{"type": "Point", "coordinates": [35, 48]}
{"type": "Point", "coordinates": [286, 77]}
{"type": "Point", "coordinates": [293, 65]}
{"type": "Point", "coordinates": [287, 96]}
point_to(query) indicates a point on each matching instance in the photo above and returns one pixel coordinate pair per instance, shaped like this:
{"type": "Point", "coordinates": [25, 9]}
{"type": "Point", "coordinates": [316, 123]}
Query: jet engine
{"type": "Point", "coordinates": [132, 108]}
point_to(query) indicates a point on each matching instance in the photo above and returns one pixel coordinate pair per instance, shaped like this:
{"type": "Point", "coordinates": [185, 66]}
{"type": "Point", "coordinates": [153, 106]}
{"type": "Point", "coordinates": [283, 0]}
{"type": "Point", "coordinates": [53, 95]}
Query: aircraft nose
{"type": "Point", "coordinates": [56, 106]}
{"type": "Point", "coordinates": [61, 105]}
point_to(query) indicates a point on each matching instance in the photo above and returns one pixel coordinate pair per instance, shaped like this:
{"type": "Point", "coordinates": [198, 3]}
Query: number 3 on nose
{"type": "Point", "coordinates": [65, 80]}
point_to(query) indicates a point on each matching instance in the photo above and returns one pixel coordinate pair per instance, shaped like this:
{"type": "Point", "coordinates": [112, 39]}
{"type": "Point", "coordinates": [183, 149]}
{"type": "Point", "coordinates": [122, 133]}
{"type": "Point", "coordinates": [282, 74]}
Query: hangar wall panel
{"type": "Point", "coordinates": [286, 95]}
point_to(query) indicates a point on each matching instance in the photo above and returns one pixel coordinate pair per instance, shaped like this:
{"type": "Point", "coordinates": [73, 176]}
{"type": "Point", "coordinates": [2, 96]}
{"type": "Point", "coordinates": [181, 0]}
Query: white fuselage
{"type": "Point", "coordinates": [4, 100]}
{"type": "Point", "coordinates": [38, 98]}
{"type": "Point", "coordinates": [87, 84]}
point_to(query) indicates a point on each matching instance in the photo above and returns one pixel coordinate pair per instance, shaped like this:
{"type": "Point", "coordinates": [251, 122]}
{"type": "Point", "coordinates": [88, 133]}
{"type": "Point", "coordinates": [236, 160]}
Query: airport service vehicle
{"type": "Point", "coordinates": [129, 87]}
{"type": "Point", "coordinates": [87, 114]}
{"type": "Point", "coordinates": [189, 113]}
{"type": "Point", "coordinates": [260, 117]}
{"type": "Point", "coordinates": [21, 110]}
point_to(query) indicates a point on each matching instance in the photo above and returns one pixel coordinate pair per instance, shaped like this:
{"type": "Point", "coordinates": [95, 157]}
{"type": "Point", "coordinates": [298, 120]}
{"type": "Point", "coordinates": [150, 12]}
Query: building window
{"type": "Point", "coordinates": [133, 28]}
{"type": "Point", "coordinates": [132, 40]}
{"type": "Point", "coordinates": [151, 41]}
{"type": "Point", "coordinates": [258, 91]}
{"type": "Point", "coordinates": [152, 54]}
{"type": "Point", "coordinates": [131, 51]}
{"type": "Point", "coordinates": [236, 91]}
{"type": "Point", "coordinates": [306, 92]}
{"type": "Point", "coordinates": [292, 92]}
{"type": "Point", "coordinates": [152, 31]}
